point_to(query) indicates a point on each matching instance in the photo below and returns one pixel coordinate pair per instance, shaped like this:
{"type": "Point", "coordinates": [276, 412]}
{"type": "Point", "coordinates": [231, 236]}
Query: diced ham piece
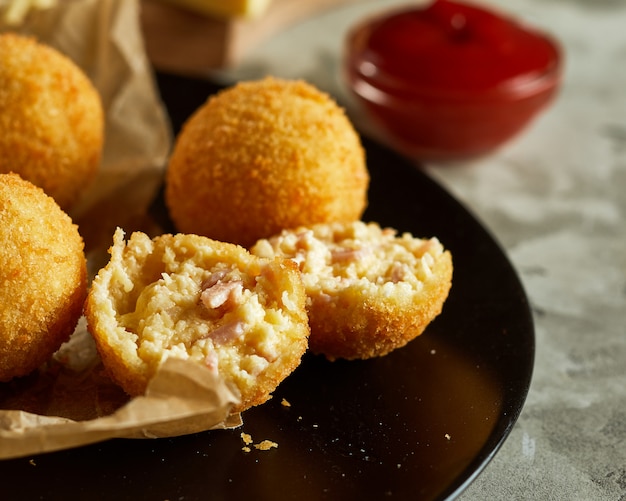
{"type": "Point", "coordinates": [211, 361]}
{"type": "Point", "coordinates": [227, 332]}
{"type": "Point", "coordinates": [220, 293]}
{"type": "Point", "coordinates": [215, 277]}
{"type": "Point", "coordinates": [344, 255]}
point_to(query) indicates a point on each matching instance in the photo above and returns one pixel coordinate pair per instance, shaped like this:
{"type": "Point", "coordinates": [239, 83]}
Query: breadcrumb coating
{"type": "Point", "coordinates": [369, 290]}
{"type": "Point", "coordinates": [191, 297]}
{"type": "Point", "coordinates": [262, 156]}
{"type": "Point", "coordinates": [51, 119]}
{"type": "Point", "coordinates": [43, 274]}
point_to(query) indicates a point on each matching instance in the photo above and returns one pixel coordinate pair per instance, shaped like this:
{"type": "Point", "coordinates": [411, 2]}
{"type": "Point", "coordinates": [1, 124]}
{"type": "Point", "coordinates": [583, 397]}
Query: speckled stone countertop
{"type": "Point", "coordinates": [555, 198]}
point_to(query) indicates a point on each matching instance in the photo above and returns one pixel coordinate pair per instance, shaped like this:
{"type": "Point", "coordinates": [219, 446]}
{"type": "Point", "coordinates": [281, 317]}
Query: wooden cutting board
{"type": "Point", "coordinates": [184, 42]}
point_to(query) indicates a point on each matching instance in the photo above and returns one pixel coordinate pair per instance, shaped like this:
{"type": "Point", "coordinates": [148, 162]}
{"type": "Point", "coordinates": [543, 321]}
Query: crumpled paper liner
{"type": "Point", "coordinates": [182, 398]}
{"type": "Point", "coordinates": [104, 38]}
{"type": "Point", "coordinates": [70, 401]}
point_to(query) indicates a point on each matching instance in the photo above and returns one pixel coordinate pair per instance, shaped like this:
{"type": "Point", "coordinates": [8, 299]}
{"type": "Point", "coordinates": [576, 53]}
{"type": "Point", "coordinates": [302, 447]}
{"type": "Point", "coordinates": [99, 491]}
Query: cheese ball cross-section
{"type": "Point", "coordinates": [51, 119]}
{"type": "Point", "coordinates": [262, 156]}
{"type": "Point", "coordinates": [369, 290]}
{"type": "Point", "coordinates": [191, 297]}
{"type": "Point", "coordinates": [43, 277]}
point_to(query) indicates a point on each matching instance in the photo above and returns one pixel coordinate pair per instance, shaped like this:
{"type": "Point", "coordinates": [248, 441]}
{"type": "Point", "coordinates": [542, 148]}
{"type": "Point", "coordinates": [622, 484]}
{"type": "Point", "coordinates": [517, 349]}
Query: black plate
{"type": "Point", "coordinates": [420, 423]}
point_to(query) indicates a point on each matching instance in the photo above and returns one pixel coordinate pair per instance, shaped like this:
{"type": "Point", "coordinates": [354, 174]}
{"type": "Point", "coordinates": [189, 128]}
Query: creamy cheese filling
{"type": "Point", "coordinates": [218, 315]}
{"type": "Point", "coordinates": [362, 256]}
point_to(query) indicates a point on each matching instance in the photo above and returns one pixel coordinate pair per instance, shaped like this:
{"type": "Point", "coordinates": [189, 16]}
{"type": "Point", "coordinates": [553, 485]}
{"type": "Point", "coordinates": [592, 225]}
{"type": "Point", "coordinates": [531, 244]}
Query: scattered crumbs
{"type": "Point", "coordinates": [432, 352]}
{"type": "Point", "coordinates": [32, 462]}
{"type": "Point", "coordinates": [266, 445]}
{"type": "Point", "coordinates": [447, 435]}
{"type": "Point", "coordinates": [398, 466]}
{"type": "Point", "coordinates": [316, 426]}
{"type": "Point", "coordinates": [247, 439]}
{"type": "Point", "coordinates": [285, 403]}
{"type": "Point", "coordinates": [299, 418]}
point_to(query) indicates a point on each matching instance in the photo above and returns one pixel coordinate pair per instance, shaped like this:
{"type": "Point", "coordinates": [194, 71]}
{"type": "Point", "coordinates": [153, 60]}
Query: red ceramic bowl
{"type": "Point", "coordinates": [452, 80]}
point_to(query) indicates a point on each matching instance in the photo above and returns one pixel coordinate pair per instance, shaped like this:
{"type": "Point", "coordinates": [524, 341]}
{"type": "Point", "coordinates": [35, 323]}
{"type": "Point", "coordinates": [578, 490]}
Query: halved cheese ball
{"type": "Point", "coordinates": [369, 290]}
{"type": "Point", "coordinates": [191, 297]}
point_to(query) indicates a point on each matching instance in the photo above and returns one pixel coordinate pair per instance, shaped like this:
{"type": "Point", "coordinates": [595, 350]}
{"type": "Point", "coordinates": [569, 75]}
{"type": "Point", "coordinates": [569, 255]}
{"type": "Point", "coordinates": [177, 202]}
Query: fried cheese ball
{"type": "Point", "coordinates": [191, 297]}
{"type": "Point", "coordinates": [43, 273]}
{"type": "Point", "coordinates": [262, 156]}
{"type": "Point", "coordinates": [52, 121]}
{"type": "Point", "coordinates": [369, 290]}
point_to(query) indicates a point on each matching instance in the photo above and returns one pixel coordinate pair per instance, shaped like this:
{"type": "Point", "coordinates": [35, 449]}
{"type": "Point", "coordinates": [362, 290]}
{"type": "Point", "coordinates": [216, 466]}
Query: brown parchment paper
{"type": "Point", "coordinates": [71, 401]}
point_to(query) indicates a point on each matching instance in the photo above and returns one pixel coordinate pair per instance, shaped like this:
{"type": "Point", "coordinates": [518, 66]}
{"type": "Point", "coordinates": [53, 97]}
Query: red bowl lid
{"type": "Point", "coordinates": [453, 50]}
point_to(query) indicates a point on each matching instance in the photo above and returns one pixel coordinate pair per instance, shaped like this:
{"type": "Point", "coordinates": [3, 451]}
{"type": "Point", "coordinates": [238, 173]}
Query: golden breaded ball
{"type": "Point", "coordinates": [51, 119]}
{"type": "Point", "coordinates": [43, 276]}
{"type": "Point", "coordinates": [262, 156]}
{"type": "Point", "coordinates": [191, 297]}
